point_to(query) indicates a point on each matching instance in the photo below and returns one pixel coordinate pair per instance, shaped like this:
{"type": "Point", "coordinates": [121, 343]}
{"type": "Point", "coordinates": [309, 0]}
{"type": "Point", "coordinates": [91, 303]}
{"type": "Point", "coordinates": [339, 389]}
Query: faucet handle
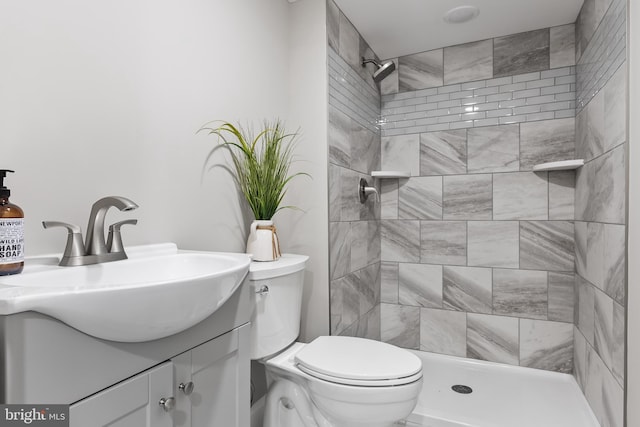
{"type": "Point", "coordinates": [114, 240]}
{"type": "Point", "coordinates": [74, 247]}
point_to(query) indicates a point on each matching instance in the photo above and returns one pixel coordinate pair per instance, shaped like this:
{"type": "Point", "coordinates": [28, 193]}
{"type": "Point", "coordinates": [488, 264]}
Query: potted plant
{"type": "Point", "coordinates": [261, 166]}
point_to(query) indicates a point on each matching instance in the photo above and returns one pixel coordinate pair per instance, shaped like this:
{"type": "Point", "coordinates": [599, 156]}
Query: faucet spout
{"type": "Point", "coordinates": [95, 243]}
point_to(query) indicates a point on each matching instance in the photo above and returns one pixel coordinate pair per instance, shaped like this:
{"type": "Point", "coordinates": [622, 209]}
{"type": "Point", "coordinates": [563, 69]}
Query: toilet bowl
{"type": "Point", "coordinates": [334, 381]}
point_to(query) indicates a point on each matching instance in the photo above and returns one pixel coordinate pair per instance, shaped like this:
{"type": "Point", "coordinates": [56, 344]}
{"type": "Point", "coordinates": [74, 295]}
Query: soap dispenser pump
{"type": "Point", "coordinates": [11, 232]}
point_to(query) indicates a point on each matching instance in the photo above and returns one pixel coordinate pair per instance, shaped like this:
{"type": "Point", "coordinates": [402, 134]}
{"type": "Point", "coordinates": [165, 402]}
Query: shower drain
{"type": "Point", "coordinates": [462, 389]}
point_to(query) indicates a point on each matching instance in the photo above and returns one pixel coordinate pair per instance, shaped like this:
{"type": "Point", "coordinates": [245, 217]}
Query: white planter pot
{"type": "Point", "coordinates": [263, 241]}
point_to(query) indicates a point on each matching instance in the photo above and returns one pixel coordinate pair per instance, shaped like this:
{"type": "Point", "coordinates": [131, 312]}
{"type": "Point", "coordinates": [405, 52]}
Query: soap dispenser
{"type": "Point", "coordinates": [11, 232]}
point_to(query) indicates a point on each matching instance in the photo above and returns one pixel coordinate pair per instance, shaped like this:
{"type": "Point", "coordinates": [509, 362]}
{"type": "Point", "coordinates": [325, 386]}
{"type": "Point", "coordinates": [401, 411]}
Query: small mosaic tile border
{"type": "Point", "coordinates": [605, 53]}
{"type": "Point", "coordinates": [352, 95]}
{"type": "Point", "coordinates": [541, 95]}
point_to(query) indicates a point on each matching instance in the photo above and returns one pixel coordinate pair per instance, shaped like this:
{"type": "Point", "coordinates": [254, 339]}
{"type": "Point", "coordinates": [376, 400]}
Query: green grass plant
{"type": "Point", "coordinates": [261, 163]}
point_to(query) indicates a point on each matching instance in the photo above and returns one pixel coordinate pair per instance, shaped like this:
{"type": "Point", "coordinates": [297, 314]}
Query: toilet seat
{"type": "Point", "coordinates": [358, 362]}
{"type": "Point", "coordinates": [362, 383]}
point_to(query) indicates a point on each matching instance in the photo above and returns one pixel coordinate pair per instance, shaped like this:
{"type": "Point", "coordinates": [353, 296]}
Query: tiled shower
{"type": "Point", "coordinates": [600, 206]}
{"type": "Point", "coordinates": [476, 255]}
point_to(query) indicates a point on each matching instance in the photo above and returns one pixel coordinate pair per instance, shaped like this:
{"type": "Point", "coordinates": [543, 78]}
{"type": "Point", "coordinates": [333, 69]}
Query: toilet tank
{"type": "Point", "coordinates": [276, 299]}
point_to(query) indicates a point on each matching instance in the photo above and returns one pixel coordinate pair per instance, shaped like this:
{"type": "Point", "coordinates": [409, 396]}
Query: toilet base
{"type": "Point", "coordinates": [288, 405]}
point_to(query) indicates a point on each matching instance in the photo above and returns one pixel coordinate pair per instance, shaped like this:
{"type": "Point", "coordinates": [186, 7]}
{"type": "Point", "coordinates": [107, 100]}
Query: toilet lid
{"type": "Point", "coordinates": [286, 264]}
{"type": "Point", "coordinates": [358, 361]}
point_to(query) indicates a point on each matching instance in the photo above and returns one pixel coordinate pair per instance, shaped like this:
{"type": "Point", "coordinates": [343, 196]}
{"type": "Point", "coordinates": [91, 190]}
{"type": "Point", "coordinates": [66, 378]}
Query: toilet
{"type": "Point", "coordinates": [333, 381]}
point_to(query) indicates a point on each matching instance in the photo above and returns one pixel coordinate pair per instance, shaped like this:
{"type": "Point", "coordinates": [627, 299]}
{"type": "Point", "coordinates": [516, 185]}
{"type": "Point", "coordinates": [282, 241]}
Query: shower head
{"type": "Point", "coordinates": [383, 70]}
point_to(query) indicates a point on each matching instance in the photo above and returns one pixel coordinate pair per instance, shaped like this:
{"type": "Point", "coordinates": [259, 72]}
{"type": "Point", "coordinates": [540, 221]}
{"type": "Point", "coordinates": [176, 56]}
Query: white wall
{"type": "Point", "coordinates": [308, 233]}
{"type": "Point", "coordinates": [105, 98]}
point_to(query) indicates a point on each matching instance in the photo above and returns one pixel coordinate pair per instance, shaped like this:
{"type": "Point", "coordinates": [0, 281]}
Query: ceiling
{"type": "Point", "coordinates": [400, 27]}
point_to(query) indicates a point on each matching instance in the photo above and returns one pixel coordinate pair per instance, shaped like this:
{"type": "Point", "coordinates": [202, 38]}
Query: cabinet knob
{"type": "Point", "coordinates": [168, 403]}
{"type": "Point", "coordinates": [187, 388]}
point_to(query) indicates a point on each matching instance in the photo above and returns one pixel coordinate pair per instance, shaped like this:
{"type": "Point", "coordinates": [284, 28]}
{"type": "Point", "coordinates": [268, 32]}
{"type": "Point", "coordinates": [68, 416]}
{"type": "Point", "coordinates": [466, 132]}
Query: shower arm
{"type": "Point", "coordinates": [372, 61]}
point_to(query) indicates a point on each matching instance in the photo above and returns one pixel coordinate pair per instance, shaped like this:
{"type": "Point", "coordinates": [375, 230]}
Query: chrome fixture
{"type": "Point", "coordinates": [364, 190]}
{"type": "Point", "coordinates": [95, 243]}
{"type": "Point", "coordinates": [187, 388]}
{"type": "Point", "coordinates": [114, 241]}
{"type": "Point", "coordinates": [167, 403]}
{"type": "Point", "coordinates": [264, 289]}
{"type": "Point", "coordinates": [95, 250]}
{"type": "Point", "coordinates": [74, 251]}
{"type": "Point", "coordinates": [382, 71]}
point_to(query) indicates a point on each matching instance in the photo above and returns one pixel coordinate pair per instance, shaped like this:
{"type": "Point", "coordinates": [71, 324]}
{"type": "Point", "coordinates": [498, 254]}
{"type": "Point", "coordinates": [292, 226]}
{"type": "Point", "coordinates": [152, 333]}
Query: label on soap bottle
{"type": "Point", "coordinates": [11, 240]}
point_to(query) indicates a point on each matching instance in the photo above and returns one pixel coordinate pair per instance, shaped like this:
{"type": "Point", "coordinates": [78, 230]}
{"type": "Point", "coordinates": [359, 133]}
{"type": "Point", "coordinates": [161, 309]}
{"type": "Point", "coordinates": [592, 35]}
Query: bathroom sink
{"type": "Point", "coordinates": [157, 292]}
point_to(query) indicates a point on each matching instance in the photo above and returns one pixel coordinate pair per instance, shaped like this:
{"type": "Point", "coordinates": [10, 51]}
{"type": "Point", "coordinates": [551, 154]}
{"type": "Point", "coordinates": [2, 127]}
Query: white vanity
{"type": "Point", "coordinates": [198, 376]}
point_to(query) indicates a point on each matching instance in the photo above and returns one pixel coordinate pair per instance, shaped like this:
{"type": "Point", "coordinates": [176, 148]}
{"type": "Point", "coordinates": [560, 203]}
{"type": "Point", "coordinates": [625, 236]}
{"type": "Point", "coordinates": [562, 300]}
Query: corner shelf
{"type": "Point", "coordinates": [390, 174]}
{"type": "Point", "coordinates": [563, 165]}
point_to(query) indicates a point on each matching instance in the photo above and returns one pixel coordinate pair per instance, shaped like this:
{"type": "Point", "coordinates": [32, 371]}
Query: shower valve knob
{"type": "Point", "coordinates": [364, 191]}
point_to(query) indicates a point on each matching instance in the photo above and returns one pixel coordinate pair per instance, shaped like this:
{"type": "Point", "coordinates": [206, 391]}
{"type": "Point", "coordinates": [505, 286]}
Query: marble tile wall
{"type": "Point", "coordinates": [600, 208]}
{"type": "Point", "coordinates": [354, 151]}
{"type": "Point", "coordinates": [478, 250]}
{"type": "Point", "coordinates": [523, 53]}
{"type": "Point", "coordinates": [344, 39]}
{"type": "Point", "coordinates": [476, 255]}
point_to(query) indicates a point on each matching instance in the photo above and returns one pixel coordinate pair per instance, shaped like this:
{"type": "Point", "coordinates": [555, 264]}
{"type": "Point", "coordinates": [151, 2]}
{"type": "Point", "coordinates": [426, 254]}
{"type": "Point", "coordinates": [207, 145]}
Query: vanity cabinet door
{"type": "Point", "coordinates": [220, 373]}
{"type": "Point", "coordinates": [131, 403]}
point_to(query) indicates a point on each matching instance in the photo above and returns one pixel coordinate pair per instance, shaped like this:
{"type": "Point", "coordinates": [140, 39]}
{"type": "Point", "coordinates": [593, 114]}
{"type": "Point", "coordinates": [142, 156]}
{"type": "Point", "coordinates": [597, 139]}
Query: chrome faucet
{"type": "Point", "coordinates": [95, 250]}
{"type": "Point", "coordinates": [95, 243]}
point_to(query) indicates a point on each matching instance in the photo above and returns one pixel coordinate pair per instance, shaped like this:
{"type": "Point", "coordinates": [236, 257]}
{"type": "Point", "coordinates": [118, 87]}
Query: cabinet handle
{"type": "Point", "coordinates": [187, 388]}
{"type": "Point", "coordinates": [168, 403]}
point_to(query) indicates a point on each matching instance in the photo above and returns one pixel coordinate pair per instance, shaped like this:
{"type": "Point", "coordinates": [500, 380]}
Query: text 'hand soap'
{"type": "Point", "coordinates": [11, 232]}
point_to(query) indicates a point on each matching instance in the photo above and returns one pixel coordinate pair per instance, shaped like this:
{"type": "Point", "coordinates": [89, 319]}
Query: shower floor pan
{"type": "Point", "coordinates": [501, 396]}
